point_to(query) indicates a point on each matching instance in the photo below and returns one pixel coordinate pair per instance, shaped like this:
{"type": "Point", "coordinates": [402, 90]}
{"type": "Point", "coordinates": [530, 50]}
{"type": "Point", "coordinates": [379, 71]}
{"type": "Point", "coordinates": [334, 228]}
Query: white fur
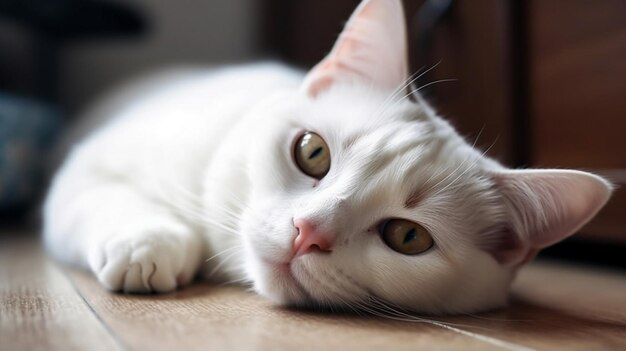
{"type": "Point", "coordinates": [197, 176]}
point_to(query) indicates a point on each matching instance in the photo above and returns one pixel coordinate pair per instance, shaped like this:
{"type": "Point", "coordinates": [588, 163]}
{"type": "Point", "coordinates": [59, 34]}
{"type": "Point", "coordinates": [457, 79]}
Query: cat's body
{"type": "Point", "coordinates": [204, 168]}
{"type": "Point", "coordinates": [158, 145]}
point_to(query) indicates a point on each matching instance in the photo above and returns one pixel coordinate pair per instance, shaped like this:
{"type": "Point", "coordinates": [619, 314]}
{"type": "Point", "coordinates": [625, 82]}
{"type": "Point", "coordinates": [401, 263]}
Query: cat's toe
{"type": "Point", "coordinates": [160, 266]}
{"type": "Point", "coordinates": [163, 278]}
{"type": "Point", "coordinates": [136, 279]}
{"type": "Point", "coordinates": [141, 263]}
{"type": "Point", "coordinates": [112, 273]}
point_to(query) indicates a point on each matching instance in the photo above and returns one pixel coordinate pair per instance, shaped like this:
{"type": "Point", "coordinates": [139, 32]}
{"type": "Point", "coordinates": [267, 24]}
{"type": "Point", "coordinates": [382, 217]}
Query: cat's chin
{"type": "Point", "coordinates": [277, 282]}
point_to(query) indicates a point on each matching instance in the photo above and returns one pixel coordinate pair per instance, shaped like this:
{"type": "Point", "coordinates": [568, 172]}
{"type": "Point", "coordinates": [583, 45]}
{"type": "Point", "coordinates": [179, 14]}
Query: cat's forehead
{"type": "Point", "coordinates": [346, 109]}
{"type": "Point", "coordinates": [377, 142]}
{"type": "Point", "coordinates": [399, 158]}
{"type": "Point", "coordinates": [349, 117]}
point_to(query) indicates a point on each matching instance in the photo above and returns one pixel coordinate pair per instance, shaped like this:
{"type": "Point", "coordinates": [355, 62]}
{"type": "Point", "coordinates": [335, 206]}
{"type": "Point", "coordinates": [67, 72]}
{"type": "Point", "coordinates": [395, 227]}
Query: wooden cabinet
{"type": "Point", "coordinates": [577, 95]}
{"type": "Point", "coordinates": [542, 81]}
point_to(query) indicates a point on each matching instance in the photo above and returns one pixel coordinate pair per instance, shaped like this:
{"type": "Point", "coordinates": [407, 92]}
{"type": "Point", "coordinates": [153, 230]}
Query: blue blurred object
{"type": "Point", "coordinates": [27, 131]}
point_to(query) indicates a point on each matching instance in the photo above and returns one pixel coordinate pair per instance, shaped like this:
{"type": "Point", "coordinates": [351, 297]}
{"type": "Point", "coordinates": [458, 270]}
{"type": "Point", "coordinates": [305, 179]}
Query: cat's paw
{"type": "Point", "coordinates": [156, 258]}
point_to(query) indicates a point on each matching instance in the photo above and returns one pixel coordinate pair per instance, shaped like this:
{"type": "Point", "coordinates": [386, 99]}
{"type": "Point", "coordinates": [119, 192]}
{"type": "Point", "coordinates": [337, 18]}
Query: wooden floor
{"type": "Point", "coordinates": [44, 306]}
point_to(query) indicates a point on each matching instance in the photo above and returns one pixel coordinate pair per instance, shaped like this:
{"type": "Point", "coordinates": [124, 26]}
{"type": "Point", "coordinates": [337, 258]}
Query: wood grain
{"type": "Point", "coordinates": [229, 318]}
{"type": "Point", "coordinates": [39, 308]}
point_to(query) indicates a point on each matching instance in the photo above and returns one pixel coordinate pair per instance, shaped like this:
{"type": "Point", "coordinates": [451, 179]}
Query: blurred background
{"type": "Point", "coordinates": [540, 83]}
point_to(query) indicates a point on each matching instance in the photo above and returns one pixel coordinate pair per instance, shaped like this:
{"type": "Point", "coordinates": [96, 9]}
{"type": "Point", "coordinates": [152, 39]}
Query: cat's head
{"type": "Point", "coordinates": [358, 195]}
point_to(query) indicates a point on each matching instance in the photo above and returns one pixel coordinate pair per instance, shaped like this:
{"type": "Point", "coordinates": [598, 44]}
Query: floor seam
{"type": "Point", "coordinates": [118, 341]}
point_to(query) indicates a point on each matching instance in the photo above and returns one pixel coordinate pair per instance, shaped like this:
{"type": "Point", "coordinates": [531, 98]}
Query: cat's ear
{"type": "Point", "coordinates": [544, 207]}
{"type": "Point", "coordinates": [372, 50]}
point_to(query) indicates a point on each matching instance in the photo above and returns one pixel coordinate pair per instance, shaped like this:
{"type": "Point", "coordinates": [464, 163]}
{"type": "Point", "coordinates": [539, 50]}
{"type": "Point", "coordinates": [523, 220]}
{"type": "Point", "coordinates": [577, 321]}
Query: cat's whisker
{"type": "Point", "coordinates": [326, 285]}
{"type": "Point", "coordinates": [223, 252]}
{"type": "Point", "coordinates": [378, 312]}
{"type": "Point", "coordinates": [222, 262]}
{"type": "Point", "coordinates": [465, 171]}
{"type": "Point", "coordinates": [492, 319]}
{"type": "Point", "coordinates": [239, 281]}
{"type": "Point", "coordinates": [236, 269]}
{"type": "Point", "coordinates": [355, 287]}
{"type": "Point", "coordinates": [450, 174]}
{"type": "Point", "coordinates": [345, 303]}
{"type": "Point", "coordinates": [399, 310]}
{"type": "Point", "coordinates": [384, 307]}
{"type": "Point", "coordinates": [484, 338]}
{"type": "Point", "coordinates": [160, 184]}
{"type": "Point", "coordinates": [242, 205]}
{"type": "Point", "coordinates": [462, 164]}
{"type": "Point", "coordinates": [427, 85]}
{"type": "Point", "coordinates": [387, 311]}
{"type": "Point", "coordinates": [194, 211]}
{"type": "Point", "coordinates": [337, 295]}
{"type": "Point", "coordinates": [191, 199]}
{"type": "Point", "coordinates": [404, 86]}
{"type": "Point", "coordinates": [203, 218]}
{"type": "Point", "coordinates": [196, 200]}
{"type": "Point", "coordinates": [406, 83]}
{"type": "Point", "coordinates": [480, 132]}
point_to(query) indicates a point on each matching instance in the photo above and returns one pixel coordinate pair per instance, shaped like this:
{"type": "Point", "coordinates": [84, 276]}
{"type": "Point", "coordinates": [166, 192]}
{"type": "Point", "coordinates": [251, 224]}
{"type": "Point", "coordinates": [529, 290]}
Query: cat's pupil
{"type": "Point", "coordinates": [409, 236]}
{"type": "Point", "coordinates": [315, 153]}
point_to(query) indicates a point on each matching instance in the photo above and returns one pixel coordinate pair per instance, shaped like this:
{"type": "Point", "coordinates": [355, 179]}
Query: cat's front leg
{"type": "Point", "coordinates": [131, 242]}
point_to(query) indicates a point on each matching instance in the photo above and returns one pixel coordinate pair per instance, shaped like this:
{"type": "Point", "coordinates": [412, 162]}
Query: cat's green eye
{"type": "Point", "coordinates": [406, 237]}
{"type": "Point", "coordinates": [312, 155]}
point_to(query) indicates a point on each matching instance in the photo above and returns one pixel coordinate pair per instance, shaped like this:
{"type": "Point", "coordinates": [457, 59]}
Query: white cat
{"type": "Point", "coordinates": [330, 189]}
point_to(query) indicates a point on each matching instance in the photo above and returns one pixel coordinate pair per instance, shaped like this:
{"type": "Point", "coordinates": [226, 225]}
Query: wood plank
{"type": "Point", "coordinates": [555, 308]}
{"type": "Point", "coordinates": [229, 318]}
{"type": "Point", "coordinates": [39, 307]}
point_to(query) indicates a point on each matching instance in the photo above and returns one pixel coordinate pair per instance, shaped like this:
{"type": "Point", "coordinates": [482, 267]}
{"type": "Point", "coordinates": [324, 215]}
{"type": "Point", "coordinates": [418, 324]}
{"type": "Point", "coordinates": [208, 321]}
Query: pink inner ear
{"type": "Point", "coordinates": [323, 79]}
{"type": "Point", "coordinates": [545, 206]}
{"type": "Point", "coordinates": [371, 50]}
{"type": "Point", "coordinates": [511, 250]}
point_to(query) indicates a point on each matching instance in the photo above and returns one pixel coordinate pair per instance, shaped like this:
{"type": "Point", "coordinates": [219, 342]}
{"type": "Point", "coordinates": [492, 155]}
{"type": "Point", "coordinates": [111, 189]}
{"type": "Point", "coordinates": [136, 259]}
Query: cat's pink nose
{"type": "Point", "coordinates": [310, 238]}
